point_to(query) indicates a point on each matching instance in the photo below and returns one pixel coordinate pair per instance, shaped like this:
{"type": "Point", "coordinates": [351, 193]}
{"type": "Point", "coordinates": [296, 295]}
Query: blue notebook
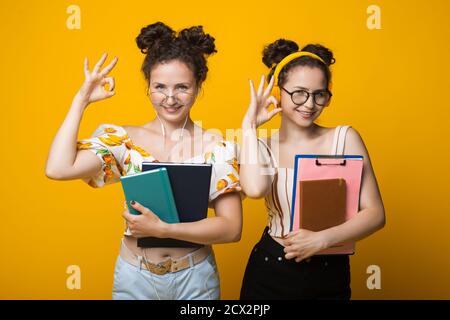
{"type": "Point", "coordinates": [151, 189]}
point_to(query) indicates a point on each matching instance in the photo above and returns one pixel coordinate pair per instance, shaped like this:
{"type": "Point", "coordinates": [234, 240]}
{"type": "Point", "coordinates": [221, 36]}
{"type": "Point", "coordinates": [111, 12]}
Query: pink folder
{"type": "Point", "coordinates": [317, 167]}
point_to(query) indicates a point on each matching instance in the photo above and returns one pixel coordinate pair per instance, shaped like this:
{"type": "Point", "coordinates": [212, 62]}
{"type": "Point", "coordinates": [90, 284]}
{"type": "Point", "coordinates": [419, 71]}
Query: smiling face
{"type": "Point", "coordinates": [172, 90]}
{"type": "Point", "coordinates": [307, 79]}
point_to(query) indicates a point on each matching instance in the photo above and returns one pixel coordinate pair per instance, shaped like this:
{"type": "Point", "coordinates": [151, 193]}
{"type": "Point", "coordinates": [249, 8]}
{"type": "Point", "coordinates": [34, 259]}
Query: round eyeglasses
{"type": "Point", "coordinates": [320, 97]}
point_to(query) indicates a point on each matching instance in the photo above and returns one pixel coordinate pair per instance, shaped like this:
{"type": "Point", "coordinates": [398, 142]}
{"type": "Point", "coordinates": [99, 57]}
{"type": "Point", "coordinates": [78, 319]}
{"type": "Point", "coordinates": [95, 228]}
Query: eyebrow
{"type": "Point", "coordinates": [307, 89]}
{"type": "Point", "coordinates": [176, 84]}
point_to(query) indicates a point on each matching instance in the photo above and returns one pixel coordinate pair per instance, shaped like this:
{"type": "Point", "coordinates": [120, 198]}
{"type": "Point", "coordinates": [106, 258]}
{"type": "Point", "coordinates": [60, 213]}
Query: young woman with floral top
{"type": "Point", "coordinates": [174, 68]}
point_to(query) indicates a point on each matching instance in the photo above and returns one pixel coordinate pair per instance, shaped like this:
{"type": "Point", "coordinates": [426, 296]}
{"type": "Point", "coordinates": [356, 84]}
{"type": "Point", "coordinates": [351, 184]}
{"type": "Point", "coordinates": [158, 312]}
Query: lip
{"type": "Point", "coordinates": [171, 109]}
{"type": "Point", "coordinates": [306, 114]}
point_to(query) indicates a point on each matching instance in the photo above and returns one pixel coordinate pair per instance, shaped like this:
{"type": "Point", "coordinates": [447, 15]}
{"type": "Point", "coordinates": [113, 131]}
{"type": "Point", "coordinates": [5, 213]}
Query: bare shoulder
{"type": "Point", "coordinates": [354, 143]}
{"type": "Point", "coordinates": [128, 128]}
{"type": "Point", "coordinates": [134, 129]}
{"type": "Point", "coordinates": [131, 128]}
{"type": "Point", "coordinates": [137, 131]}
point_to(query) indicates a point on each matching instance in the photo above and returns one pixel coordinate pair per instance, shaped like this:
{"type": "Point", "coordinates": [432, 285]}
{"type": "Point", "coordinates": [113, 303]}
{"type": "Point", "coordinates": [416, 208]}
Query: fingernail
{"type": "Point", "coordinates": [132, 202]}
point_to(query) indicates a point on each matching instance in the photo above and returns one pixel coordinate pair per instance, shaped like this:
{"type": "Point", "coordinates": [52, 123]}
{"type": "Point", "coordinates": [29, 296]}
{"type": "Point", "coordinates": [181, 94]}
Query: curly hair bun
{"type": "Point", "coordinates": [153, 36]}
{"type": "Point", "coordinates": [276, 51]}
{"type": "Point", "coordinates": [324, 53]}
{"type": "Point", "coordinates": [198, 40]}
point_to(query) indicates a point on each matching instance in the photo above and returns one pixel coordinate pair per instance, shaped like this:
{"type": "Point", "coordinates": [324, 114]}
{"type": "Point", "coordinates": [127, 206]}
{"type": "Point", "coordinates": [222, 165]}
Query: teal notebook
{"type": "Point", "coordinates": [152, 190]}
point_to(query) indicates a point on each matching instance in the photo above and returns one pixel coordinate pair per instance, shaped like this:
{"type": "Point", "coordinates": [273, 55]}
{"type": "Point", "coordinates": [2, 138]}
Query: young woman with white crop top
{"type": "Point", "coordinates": [283, 264]}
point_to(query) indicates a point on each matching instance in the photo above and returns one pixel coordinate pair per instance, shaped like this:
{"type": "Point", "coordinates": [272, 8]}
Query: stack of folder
{"type": "Point", "coordinates": [175, 192]}
{"type": "Point", "coordinates": [326, 194]}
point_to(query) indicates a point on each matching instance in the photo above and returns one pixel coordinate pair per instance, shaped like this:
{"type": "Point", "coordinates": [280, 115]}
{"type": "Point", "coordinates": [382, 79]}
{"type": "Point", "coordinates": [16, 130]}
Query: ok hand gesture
{"type": "Point", "coordinates": [258, 111]}
{"type": "Point", "coordinates": [93, 87]}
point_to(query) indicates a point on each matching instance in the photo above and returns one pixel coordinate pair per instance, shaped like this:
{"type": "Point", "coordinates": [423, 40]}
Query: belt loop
{"type": "Point", "coordinates": [191, 261]}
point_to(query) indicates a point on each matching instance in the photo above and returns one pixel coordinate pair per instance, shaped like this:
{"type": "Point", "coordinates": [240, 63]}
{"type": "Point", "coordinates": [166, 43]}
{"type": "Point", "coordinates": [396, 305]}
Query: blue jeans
{"type": "Point", "coordinates": [198, 282]}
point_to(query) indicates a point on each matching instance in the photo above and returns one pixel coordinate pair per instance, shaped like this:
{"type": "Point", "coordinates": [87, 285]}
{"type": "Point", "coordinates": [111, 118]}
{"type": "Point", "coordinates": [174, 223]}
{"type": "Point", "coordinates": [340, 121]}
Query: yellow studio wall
{"type": "Point", "coordinates": [391, 84]}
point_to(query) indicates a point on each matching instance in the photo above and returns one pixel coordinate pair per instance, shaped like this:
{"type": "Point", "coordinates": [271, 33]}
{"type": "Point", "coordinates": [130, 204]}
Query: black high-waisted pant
{"type": "Point", "coordinates": [270, 276]}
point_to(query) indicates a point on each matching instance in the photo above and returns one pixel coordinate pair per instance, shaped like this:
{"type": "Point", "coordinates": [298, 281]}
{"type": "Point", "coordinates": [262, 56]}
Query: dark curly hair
{"type": "Point", "coordinates": [276, 51]}
{"type": "Point", "coordinates": [160, 44]}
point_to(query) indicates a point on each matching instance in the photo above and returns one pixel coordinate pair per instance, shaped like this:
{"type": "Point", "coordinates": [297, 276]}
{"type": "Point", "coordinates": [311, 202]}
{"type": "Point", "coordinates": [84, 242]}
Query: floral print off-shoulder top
{"type": "Point", "coordinates": [120, 157]}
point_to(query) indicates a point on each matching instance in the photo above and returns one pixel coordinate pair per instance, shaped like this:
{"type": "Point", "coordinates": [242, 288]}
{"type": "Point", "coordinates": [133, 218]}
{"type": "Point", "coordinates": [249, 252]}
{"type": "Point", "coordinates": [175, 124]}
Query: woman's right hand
{"type": "Point", "coordinates": [258, 110]}
{"type": "Point", "coordinates": [93, 87]}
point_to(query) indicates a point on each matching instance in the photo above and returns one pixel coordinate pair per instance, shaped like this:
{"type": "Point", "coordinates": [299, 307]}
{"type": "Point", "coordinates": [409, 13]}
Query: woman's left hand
{"type": "Point", "coordinates": [147, 224]}
{"type": "Point", "coordinates": [302, 244]}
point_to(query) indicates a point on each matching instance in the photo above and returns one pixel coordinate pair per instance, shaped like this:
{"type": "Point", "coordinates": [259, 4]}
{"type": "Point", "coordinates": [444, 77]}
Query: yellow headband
{"type": "Point", "coordinates": [276, 90]}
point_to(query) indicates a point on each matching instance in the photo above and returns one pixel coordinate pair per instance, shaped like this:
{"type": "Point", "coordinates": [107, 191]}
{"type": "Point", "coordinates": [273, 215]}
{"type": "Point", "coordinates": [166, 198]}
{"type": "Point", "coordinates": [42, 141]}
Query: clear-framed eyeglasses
{"type": "Point", "coordinates": [180, 95]}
